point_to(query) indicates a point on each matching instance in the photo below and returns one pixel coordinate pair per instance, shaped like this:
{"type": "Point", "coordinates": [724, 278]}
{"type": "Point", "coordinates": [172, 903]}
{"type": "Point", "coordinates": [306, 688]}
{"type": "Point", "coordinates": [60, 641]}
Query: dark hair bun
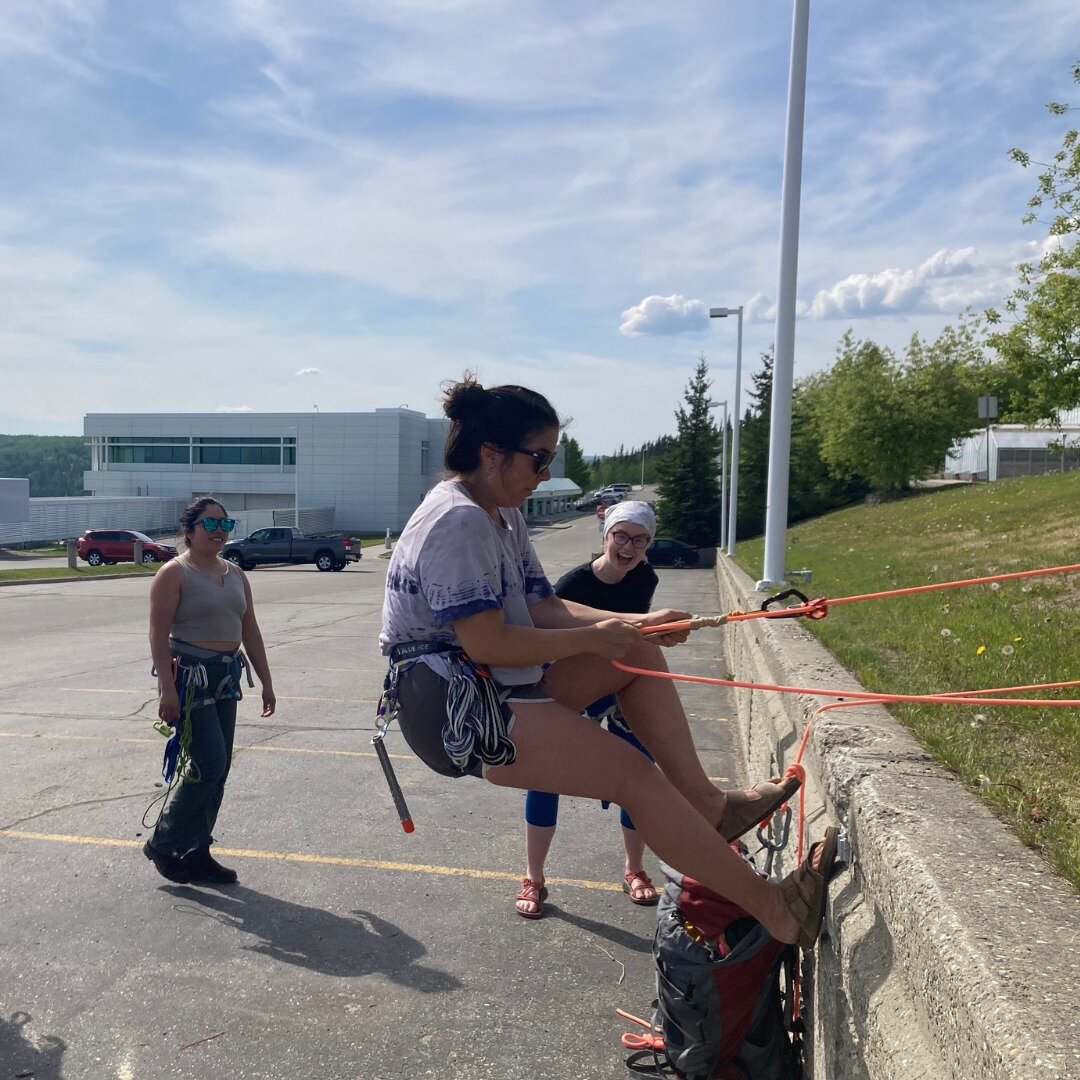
{"type": "Point", "coordinates": [463, 399]}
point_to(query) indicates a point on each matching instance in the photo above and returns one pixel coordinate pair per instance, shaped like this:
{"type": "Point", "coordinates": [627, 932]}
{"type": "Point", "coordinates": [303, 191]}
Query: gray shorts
{"type": "Point", "coordinates": [422, 714]}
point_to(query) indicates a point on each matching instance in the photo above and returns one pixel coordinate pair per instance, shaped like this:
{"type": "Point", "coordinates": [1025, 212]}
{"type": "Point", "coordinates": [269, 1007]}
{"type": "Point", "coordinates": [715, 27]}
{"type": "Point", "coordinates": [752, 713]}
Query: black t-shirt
{"type": "Point", "coordinates": [632, 595]}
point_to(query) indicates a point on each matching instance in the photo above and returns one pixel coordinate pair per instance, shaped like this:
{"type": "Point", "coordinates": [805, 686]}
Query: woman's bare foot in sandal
{"type": "Point", "coordinates": [746, 809]}
{"type": "Point", "coordinates": [530, 901]}
{"type": "Point", "coordinates": [639, 887]}
{"type": "Point", "coordinates": [805, 890]}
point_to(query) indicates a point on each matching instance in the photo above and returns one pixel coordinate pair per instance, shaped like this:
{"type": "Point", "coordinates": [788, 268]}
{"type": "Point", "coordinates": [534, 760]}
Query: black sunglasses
{"type": "Point", "coordinates": [541, 459]}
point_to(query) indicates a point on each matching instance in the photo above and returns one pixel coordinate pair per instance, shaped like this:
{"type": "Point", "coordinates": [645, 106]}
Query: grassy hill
{"type": "Point", "coordinates": [1025, 762]}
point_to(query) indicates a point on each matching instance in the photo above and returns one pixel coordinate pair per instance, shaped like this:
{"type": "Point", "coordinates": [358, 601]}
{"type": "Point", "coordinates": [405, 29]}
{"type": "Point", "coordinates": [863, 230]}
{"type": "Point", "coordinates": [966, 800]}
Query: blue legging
{"type": "Point", "coordinates": [542, 807]}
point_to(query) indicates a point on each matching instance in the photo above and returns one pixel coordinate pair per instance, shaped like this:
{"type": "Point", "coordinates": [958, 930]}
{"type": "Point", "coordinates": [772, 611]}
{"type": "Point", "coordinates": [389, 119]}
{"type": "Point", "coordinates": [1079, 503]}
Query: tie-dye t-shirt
{"type": "Point", "coordinates": [453, 561]}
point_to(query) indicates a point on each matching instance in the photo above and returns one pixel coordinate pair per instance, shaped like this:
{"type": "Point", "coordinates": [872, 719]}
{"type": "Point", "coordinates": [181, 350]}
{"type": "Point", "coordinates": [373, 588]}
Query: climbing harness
{"type": "Point", "coordinates": [474, 726]}
{"type": "Point", "coordinates": [193, 690]}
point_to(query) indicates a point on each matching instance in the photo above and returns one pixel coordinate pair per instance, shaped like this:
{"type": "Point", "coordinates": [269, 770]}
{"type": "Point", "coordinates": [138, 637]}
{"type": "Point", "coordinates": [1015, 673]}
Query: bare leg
{"type": "Point", "coordinates": [558, 750]}
{"type": "Point", "coordinates": [537, 845]}
{"type": "Point", "coordinates": [654, 712]}
{"type": "Point", "coordinates": [634, 846]}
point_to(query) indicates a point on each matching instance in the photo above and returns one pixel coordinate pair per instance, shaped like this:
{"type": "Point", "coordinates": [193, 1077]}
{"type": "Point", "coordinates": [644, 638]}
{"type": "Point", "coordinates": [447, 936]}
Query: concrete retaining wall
{"type": "Point", "coordinates": [951, 951]}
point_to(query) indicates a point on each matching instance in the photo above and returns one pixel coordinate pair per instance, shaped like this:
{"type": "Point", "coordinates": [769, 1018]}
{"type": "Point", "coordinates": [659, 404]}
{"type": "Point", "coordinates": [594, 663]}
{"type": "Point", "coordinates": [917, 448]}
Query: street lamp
{"type": "Point", "coordinates": [733, 506]}
{"type": "Point", "coordinates": [723, 474]}
{"type": "Point", "coordinates": [296, 470]}
{"type": "Point", "coordinates": [774, 571]}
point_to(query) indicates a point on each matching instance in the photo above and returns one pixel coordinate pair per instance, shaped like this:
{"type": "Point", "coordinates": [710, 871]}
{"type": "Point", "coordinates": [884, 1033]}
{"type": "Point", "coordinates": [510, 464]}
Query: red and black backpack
{"type": "Point", "coordinates": [724, 991]}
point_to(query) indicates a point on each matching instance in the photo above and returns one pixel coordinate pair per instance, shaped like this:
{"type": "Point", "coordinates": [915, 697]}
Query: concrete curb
{"type": "Point", "coordinates": [951, 949]}
{"type": "Point", "coordinates": [68, 580]}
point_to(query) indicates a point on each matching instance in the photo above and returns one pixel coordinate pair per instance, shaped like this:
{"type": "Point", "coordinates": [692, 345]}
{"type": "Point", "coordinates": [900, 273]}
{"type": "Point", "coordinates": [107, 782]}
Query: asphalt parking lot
{"type": "Point", "coordinates": [348, 950]}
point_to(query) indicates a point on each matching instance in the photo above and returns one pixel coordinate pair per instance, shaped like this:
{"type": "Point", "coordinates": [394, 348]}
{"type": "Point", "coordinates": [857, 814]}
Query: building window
{"type": "Point", "coordinates": [220, 450]}
{"type": "Point", "coordinates": [425, 457]}
{"type": "Point", "coordinates": [148, 450]}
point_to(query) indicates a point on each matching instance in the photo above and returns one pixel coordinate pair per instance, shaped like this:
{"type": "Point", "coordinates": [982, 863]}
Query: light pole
{"type": "Point", "coordinates": [723, 474]}
{"type": "Point", "coordinates": [296, 471]}
{"type": "Point", "coordinates": [733, 505]}
{"type": "Point", "coordinates": [780, 419]}
{"type": "Point", "coordinates": [643, 468]}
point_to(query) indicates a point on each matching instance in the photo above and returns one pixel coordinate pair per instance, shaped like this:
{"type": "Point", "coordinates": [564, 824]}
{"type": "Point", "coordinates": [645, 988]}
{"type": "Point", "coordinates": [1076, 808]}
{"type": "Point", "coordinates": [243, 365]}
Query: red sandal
{"type": "Point", "coordinates": [639, 887]}
{"type": "Point", "coordinates": [532, 892]}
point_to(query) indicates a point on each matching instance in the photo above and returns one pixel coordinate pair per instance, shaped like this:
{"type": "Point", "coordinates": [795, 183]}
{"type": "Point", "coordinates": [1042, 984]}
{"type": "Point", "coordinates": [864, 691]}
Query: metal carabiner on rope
{"type": "Point", "coordinates": [768, 845]}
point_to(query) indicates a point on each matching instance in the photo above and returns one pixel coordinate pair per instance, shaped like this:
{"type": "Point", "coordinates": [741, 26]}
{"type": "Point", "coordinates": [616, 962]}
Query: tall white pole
{"type": "Point", "coordinates": [643, 466]}
{"type": "Point", "coordinates": [733, 505]}
{"type": "Point", "coordinates": [723, 482]}
{"type": "Point", "coordinates": [780, 426]}
{"type": "Point", "coordinates": [296, 471]}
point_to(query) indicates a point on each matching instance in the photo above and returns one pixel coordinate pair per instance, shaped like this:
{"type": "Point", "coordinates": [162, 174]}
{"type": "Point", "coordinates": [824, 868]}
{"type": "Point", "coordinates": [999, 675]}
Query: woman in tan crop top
{"type": "Point", "coordinates": [201, 612]}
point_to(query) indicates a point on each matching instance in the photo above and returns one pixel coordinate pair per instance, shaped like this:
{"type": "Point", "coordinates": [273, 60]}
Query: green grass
{"type": "Point", "coordinates": [63, 573]}
{"type": "Point", "coordinates": [372, 539]}
{"type": "Point", "coordinates": [1024, 762]}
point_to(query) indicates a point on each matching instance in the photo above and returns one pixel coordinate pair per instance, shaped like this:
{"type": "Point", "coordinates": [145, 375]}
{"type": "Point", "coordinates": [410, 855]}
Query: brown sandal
{"type": "Point", "coordinates": [635, 883]}
{"type": "Point", "coordinates": [761, 802]}
{"type": "Point", "coordinates": [806, 888]}
{"type": "Point", "coordinates": [532, 892]}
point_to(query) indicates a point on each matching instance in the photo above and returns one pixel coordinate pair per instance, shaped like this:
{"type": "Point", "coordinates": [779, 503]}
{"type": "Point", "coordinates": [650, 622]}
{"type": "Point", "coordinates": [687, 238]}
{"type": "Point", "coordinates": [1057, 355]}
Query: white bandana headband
{"type": "Point", "coordinates": [635, 511]}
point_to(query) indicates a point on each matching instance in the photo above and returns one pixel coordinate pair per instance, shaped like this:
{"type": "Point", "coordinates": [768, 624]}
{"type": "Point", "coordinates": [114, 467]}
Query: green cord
{"type": "Point", "coordinates": [186, 768]}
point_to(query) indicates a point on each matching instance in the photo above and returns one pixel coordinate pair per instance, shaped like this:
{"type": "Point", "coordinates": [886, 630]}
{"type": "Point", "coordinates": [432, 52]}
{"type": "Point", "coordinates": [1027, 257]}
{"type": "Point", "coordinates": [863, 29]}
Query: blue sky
{"type": "Point", "coordinates": [251, 204]}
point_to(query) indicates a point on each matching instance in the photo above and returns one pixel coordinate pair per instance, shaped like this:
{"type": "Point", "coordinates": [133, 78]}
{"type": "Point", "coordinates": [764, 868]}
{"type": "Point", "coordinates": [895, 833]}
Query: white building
{"type": "Point", "coordinates": [372, 469]}
{"type": "Point", "coordinates": [1004, 450]}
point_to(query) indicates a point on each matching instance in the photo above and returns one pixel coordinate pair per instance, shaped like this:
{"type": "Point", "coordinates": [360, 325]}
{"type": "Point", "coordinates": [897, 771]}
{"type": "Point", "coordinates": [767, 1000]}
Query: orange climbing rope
{"type": "Point", "coordinates": [819, 608]}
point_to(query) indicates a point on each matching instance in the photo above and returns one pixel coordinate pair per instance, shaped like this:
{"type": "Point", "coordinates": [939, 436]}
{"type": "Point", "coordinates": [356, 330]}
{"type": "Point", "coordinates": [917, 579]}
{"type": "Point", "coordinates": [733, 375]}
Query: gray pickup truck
{"type": "Point", "coordinates": [266, 546]}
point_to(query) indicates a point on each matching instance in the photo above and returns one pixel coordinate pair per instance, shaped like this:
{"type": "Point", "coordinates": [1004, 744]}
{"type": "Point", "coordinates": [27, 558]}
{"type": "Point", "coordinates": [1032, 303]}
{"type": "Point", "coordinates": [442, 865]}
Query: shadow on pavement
{"type": "Point", "coordinates": [25, 1055]}
{"type": "Point", "coordinates": [317, 939]}
{"type": "Point", "coordinates": [616, 935]}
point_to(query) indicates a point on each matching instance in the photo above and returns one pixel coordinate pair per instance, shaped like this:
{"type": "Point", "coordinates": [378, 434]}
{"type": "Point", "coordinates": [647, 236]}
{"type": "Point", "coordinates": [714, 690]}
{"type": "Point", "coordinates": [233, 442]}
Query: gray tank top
{"type": "Point", "coordinates": [208, 611]}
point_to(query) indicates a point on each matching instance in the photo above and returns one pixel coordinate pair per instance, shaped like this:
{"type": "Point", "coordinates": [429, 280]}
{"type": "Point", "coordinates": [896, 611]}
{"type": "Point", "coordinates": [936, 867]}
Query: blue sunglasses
{"type": "Point", "coordinates": [211, 524]}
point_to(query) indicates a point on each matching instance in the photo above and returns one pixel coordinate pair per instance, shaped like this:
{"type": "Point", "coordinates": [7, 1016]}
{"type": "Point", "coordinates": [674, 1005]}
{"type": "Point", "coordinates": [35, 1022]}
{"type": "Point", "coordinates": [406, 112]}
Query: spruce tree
{"type": "Point", "coordinates": [575, 467]}
{"type": "Point", "coordinates": [689, 474]}
{"type": "Point", "coordinates": [754, 453]}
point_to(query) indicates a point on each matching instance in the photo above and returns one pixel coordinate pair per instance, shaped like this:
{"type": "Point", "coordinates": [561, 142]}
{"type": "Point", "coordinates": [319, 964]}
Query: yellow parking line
{"type": "Point", "coordinates": [150, 690]}
{"type": "Point", "coordinates": [253, 746]}
{"type": "Point", "coordinates": [320, 860]}
{"type": "Point", "coordinates": [261, 747]}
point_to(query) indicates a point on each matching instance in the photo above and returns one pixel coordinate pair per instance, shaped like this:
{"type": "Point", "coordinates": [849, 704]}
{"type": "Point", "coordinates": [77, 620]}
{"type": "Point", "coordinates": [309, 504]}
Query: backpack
{"type": "Point", "coordinates": [724, 990]}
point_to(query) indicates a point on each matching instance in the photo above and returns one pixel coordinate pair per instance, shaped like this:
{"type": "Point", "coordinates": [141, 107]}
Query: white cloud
{"type": "Point", "coordinates": [664, 315]}
{"type": "Point", "coordinates": [897, 291]}
{"type": "Point", "coordinates": [309, 371]}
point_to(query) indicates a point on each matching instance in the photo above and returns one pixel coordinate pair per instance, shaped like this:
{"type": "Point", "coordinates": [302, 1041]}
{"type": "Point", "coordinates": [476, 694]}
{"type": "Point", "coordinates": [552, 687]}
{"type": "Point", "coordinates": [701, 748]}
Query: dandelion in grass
{"type": "Point", "coordinates": [980, 650]}
{"type": "Point", "coordinates": [946, 632]}
{"type": "Point", "coordinates": [1019, 638]}
{"type": "Point", "coordinates": [1007, 650]}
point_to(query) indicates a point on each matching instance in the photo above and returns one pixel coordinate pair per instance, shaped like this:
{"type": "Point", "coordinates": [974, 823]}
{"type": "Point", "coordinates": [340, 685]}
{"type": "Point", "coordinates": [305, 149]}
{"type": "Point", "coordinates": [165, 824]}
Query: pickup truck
{"type": "Point", "coordinates": [265, 546]}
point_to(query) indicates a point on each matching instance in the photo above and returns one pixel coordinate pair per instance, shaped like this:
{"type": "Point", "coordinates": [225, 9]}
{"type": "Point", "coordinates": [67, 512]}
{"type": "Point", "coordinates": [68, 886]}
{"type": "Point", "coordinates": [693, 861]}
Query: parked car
{"type": "Point", "coordinates": [266, 546]}
{"type": "Point", "coordinates": [618, 490]}
{"type": "Point", "coordinates": [595, 499]}
{"type": "Point", "coordinates": [664, 552]}
{"type": "Point", "coordinates": [109, 546]}
{"type": "Point", "coordinates": [621, 488]}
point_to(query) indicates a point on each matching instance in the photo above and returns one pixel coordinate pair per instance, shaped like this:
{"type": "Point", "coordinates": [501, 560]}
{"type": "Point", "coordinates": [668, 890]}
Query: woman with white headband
{"type": "Point", "coordinates": [618, 580]}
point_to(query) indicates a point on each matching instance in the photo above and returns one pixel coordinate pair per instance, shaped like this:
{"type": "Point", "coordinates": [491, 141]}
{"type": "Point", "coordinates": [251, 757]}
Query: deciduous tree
{"type": "Point", "coordinates": [1040, 351]}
